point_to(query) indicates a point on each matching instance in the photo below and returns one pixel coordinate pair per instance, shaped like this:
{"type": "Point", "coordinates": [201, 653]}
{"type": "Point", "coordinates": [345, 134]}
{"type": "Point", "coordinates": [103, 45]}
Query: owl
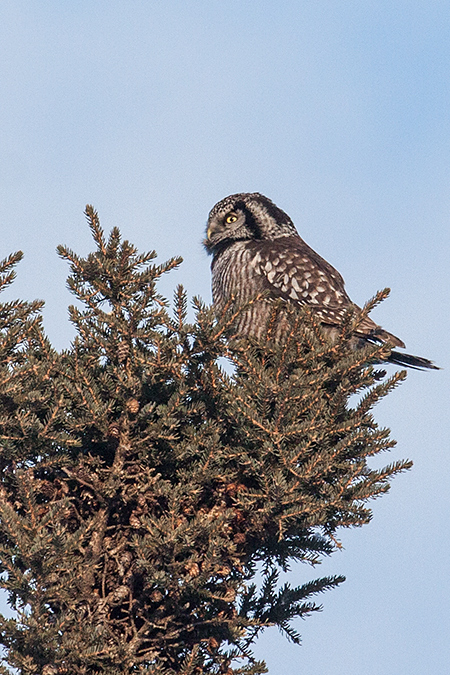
{"type": "Point", "coordinates": [256, 250]}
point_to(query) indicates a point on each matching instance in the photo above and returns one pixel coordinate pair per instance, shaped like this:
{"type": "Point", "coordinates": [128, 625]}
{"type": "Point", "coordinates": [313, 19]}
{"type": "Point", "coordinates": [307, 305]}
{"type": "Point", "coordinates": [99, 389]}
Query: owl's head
{"type": "Point", "coordinates": [244, 216]}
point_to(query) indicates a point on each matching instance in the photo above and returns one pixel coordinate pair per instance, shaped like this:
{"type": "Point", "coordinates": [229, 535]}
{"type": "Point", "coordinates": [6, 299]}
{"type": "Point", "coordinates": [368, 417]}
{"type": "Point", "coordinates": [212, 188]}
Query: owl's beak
{"type": "Point", "coordinates": [213, 228]}
{"type": "Point", "coordinates": [207, 242]}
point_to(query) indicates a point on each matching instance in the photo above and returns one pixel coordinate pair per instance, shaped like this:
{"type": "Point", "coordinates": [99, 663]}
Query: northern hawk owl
{"type": "Point", "coordinates": [256, 249]}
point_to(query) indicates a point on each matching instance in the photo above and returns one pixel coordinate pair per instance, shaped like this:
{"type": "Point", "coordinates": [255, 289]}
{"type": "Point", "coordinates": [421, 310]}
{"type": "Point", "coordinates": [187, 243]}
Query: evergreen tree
{"type": "Point", "coordinates": [151, 495]}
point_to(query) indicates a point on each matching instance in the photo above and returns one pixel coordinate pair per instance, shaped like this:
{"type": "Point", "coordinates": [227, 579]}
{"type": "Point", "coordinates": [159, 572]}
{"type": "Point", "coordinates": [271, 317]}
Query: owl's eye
{"type": "Point", "coordinates": [231, 218]}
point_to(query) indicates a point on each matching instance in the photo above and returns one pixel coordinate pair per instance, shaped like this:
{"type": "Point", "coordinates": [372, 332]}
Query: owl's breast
{"type": "Point", "coordinates": [236, 274]}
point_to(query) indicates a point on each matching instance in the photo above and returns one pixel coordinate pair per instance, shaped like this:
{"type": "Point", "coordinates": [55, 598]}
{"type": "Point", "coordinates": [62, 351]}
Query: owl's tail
{"type": "Point", "coordinates": [378, 334]}
{"type": "Point", "coordinates": [411, 361]}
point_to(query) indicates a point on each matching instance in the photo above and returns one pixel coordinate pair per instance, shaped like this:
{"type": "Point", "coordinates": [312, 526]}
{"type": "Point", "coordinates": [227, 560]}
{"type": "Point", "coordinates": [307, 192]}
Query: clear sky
{"type": "Point", "coordinates": [337, 110]}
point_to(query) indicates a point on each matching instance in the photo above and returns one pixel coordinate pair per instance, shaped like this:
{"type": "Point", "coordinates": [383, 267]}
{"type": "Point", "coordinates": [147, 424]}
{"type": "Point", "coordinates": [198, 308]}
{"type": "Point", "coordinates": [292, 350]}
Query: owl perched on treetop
{"type": "Point", "coordinates": [256, 249]}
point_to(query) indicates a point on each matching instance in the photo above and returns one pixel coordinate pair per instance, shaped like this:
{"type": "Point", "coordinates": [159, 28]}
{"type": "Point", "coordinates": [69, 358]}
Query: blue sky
{"type": "Point", "coordinates": [339, 112]}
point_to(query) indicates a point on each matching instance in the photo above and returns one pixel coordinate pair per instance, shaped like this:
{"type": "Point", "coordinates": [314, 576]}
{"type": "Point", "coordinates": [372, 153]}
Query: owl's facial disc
{"type": "Point", "coordinates": [225, 225]}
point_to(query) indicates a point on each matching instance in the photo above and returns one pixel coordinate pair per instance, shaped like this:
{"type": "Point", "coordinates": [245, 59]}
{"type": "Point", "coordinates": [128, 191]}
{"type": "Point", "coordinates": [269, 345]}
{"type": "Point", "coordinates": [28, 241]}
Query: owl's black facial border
{"type": "Point", "coordinates": [249, 219]}
{"type": "Point", "coordinates": [275, 212]}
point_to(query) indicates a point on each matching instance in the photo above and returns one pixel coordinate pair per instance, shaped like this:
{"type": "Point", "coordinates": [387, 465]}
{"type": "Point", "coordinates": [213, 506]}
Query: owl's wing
{"type": "Point", "coordinates": [293, 271]}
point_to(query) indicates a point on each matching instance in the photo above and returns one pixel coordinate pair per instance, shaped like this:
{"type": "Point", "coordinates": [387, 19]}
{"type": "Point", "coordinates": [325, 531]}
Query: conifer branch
{"type": "Point", "coordinates": [143, 485]}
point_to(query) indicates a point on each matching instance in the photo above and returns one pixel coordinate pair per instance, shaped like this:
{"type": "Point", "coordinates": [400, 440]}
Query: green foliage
{"type": "Point", "coordinates": [150, 496]}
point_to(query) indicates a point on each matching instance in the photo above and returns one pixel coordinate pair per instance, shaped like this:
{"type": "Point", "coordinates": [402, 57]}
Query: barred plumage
{"type": "Point", "coordinates": [257, 249]}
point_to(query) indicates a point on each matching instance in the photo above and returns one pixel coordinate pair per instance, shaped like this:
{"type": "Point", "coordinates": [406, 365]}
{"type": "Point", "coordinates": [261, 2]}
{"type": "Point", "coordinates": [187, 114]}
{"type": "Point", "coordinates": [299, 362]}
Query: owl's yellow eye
{"type": "Point", "coordinates": [231, 218]}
